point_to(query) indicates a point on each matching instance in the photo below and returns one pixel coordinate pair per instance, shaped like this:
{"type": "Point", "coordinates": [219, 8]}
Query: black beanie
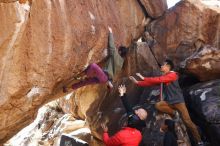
{"type": "Point", "coordinates": [135, 122]}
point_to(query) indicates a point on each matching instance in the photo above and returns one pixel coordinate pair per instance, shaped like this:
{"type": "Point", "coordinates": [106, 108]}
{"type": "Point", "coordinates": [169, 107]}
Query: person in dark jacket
{"type": "Point", "coordinates": [130, 134]}
{"type": "Point", "coordinates": [172, 98]}
{"type": "Point", "coordinates": [137, 115]}
{"type": "Point", "coordinates": [170, 137]}
{"type": "Point", "coordinates": [97, 75]}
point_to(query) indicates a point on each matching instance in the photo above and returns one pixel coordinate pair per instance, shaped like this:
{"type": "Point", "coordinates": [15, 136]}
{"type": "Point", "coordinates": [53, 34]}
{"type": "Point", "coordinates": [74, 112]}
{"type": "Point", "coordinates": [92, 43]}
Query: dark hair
{"type": "Point", "coordinates": [135, 122]}
{"type": "Point", "coordinates": [170, 63]}
{"type": "Point", "coordinates": [122, 50]}
{"type": "Point", "coordinates": [171, 126]}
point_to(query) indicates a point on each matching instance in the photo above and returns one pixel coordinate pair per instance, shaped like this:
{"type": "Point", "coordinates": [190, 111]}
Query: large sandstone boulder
{"type": "Point", "coordinates": [47, 42]}
{"type": "Point", "coordinates": [203, 101]}
{"type": "Point", "coordinates": [205, 63]}
{"type": "Point", "coordinates": [50, 128]}
{"type": "Point", "coordinates": [7, 1]}
{"type": "Point", "coordinates": [154, 8]}
{"type": "Point", "coordinates": [183, 30]}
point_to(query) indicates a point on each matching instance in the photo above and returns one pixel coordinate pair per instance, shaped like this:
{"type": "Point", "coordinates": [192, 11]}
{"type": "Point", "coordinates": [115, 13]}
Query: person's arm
{"type": "Point", "coordinates": [114, 140]}
{"type": "Point", "coordinates": [111, 44]}
{"type": "Point", "coordinates": [122, 94]}
{"type": "Point", "coordinates": [157, 80]}
{"type": "Point", "coordinates": [126, 104]}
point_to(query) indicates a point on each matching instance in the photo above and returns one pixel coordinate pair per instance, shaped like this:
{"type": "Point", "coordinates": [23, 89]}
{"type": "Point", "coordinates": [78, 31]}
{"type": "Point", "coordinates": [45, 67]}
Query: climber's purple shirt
{"type": "Point", "coordinates": [95, 75]}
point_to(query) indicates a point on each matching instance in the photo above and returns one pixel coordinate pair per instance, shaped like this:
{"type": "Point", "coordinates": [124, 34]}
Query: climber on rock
{"type": "Point", "coordinates": [173, 101]}
{"type": "Point", "coordinates": [97, 75]}
{"type": "Point", "coordinates": [130, 134]}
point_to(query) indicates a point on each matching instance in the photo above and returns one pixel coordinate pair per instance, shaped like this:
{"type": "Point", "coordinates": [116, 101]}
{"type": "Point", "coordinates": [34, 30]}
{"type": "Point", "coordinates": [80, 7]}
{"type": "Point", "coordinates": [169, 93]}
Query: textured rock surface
{"type": "Point", "coordinates": [203, 101]}
{"type": "Point", "coordinates": [41, 44]}
{"type": "Point", "coordinates": [49, 126]}
{"type": "Point", "coordinates": [205, 63]}
{"type": "Point", "coordinates": [7, 1]}
{"type": "Point", "coordinates": [154, 8]}
{"type": "Point", "coordinates": [180, 32]}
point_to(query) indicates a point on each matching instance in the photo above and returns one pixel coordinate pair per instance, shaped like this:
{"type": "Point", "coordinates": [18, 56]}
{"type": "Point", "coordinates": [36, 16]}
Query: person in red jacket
{"type": "Point", "coordinates": [172, 100]}
{"type": "Point", "coordinates": [127, 136]}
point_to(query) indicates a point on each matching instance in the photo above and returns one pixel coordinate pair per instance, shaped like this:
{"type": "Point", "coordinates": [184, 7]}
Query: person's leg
{"type": "Point", "coordinates": [89, 71]}
{"type": "Point", "coordinates": [88, 81]}
{"type": "Point", "coordinates": [164, 107]}
{"type": "Point", "coordinates": [181, 107]}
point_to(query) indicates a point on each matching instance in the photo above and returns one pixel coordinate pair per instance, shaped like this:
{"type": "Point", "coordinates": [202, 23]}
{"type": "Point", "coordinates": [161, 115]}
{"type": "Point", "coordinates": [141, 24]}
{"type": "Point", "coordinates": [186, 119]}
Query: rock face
{"type": "Point", "coordinates": [53, 127]}
{"type": "Point", "coordinates": [203, 101]}
{"type": "Point", "coordinates": [154, 8]}
{"type": "Point", "coordinates": [204, 63]}
{"type": "Point", "coordinates": [40, 44]}
{"type": "Point", "coordinates": [183, 30]}
{"type": "Point", "coordinates": [40, 47]}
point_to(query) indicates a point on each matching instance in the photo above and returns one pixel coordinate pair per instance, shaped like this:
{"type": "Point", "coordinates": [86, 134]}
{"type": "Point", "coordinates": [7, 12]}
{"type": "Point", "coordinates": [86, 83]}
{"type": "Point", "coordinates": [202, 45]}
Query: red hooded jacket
{"type": "Point", "coordinates": [125, 137]}
{"type": "Point", "coordinates": [170, 89]}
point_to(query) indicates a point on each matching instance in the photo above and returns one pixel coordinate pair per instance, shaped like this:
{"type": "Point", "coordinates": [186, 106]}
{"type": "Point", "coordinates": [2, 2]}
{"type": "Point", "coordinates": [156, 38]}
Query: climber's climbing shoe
{"type": "Point", "coordinates": [64, 89]}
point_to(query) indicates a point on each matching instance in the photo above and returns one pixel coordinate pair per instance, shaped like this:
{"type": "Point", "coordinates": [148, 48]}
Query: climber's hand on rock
{"type": "Point", "coordinates": [122, 90]}
{"type": "Point", "coordinates": [109, 85]}
{"type": "Point", "coordinates": [110, 29]}
{"type": "Point", "coordinates": [104, 127]}
{"type": "Point", "coordinates": [133, 79]}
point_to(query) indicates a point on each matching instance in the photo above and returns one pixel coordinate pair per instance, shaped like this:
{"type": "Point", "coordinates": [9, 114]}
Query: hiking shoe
{"type": "Point", "coordinates": [201, 144]}
{"type": "Point", "coordinates": [64, 89]}
{"type": "Point", "coordinates": [176, 117]}
{"type": "Point", "coordinates": [77, 78]}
